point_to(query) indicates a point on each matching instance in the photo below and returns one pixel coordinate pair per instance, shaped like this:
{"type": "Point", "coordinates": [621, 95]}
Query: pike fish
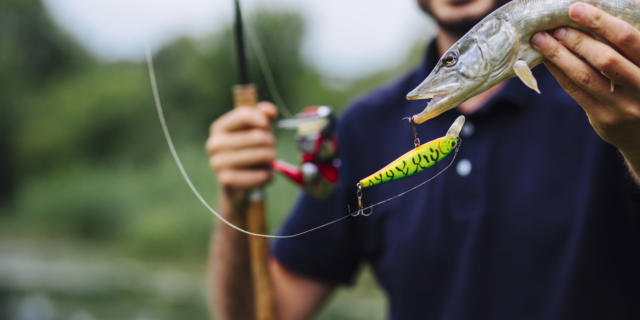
{"type": "Point", "coordinates": [497, 48]}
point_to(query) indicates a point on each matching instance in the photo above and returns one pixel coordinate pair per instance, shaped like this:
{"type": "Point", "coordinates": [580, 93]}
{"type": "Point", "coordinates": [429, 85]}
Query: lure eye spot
{"type": "Point", "coordinates": [450, 59]}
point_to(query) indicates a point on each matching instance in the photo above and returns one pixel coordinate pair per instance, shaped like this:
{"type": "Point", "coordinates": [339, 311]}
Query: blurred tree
{"type": "Point", "coordinates": [33, 53]}
{"type": "Point", "coordinates": [197, 76]}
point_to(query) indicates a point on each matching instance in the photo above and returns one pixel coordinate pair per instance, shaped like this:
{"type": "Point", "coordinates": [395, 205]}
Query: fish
{"type": "Point", "coordinates": [418, 159]}
{"type": "Point", "coordinates": [497, 48]}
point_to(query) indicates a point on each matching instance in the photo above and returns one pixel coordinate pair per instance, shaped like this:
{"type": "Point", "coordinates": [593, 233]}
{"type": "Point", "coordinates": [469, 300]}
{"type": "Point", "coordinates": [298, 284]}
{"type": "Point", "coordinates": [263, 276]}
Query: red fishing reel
{"type": "Point", "coordinates": [316, 138]}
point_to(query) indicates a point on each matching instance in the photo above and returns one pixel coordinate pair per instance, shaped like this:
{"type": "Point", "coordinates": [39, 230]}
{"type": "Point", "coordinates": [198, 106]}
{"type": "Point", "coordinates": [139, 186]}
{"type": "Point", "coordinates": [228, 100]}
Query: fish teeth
{"type": "Point", "coordinates": [414, 95]}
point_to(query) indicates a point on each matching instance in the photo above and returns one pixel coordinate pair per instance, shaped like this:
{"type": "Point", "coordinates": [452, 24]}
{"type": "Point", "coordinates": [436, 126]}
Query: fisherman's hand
{"type": "Point", "coordinates": [241, 147]}
{"type": "Point", "coordinates": [615, 115]}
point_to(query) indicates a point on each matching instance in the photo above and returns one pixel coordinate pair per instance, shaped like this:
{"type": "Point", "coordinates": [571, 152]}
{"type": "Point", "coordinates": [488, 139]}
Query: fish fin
{"type": "Point", "coordinates": [521, 68]}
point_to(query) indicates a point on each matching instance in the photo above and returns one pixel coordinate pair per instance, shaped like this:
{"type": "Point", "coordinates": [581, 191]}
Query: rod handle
{"type": "Point", "coordinates": [246, 95]}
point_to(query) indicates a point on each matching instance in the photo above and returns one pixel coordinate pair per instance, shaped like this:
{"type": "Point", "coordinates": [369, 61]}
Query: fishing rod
{"type": "Point", "coordinates": [245, 94]}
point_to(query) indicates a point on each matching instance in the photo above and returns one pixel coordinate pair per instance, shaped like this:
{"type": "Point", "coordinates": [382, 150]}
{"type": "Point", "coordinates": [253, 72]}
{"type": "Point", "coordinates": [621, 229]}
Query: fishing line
{"type": "Point", "coordinates": [174, 154]}
{"type": "Point", "coordinates": [254, 43]}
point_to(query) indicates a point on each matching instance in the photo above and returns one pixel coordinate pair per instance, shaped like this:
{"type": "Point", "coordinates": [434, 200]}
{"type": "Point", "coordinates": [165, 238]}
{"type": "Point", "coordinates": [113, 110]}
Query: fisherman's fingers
{"type": "Point", "coordinates": [252, 138]}
{"type": "Point", "coordinates": [572, 66]}
{"type": "Point", "coordinates": [590, 104]}
{"type": "Point", "coordinates": [619, 120]}
{"type": "Point", "coordinates": [616, 118]}
{"type": "Point", "coordinates": [601, 56]}
{"type": "Point", "coordinates": [239, 119]}
{"type": "Point", "coordinates": [245, 158]}
{"type": "Point", "coordinates": [268, 109]}
{"type": "Point", "coordinates": [620, 33]}
{"type": "Point", "coordinates": [618, 125]}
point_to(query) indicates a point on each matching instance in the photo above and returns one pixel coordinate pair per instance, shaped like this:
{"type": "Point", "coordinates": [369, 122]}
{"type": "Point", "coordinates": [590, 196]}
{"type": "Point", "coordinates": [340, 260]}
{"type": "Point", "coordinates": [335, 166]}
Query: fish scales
{"type": "Point", "coordinates": [497, 48]}
{"type": "Point", "coordinates": [530, 16]}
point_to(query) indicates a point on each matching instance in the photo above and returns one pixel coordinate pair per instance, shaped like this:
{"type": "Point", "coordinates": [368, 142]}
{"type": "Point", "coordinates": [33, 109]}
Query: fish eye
{"type": "Point", "coordinates": [450, 59]}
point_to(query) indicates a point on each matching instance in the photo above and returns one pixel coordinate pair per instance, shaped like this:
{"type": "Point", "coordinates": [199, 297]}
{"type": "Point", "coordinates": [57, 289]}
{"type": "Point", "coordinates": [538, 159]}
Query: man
{"type": "Point", "coordinates": [537, 219]}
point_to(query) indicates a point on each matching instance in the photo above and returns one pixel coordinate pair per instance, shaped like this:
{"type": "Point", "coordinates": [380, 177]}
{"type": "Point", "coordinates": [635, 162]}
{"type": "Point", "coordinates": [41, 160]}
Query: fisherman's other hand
{"type": "Point", "coordinates": [241, 147]}
{"type": "Point", "coordinates": [607, 82]}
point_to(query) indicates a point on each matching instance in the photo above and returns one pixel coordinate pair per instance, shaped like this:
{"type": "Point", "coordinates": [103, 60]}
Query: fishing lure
{"type": "Point", "coordinates": [415, 161]}
{"type": "Point", "coordinates": [419, 159]}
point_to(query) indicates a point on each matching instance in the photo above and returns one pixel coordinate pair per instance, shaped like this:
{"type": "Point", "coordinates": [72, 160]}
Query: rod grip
{"type": "Point", "coordinates": [264, 299]}
{"type": "Point", "coordinates": [246, 95]}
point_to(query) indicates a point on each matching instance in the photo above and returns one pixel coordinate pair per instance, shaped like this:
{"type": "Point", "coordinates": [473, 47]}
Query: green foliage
{"type": "Point", "coordinates": [34, 50]}
{"type": "Point", "coordinates": [34, 53]}
{"type": "Point", "coordinates": [97, 115]}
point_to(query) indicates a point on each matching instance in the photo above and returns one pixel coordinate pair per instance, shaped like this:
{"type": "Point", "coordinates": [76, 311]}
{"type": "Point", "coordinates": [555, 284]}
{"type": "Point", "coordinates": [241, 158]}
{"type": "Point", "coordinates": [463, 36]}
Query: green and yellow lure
{"type": "Point", "coordinates": [419, 159]}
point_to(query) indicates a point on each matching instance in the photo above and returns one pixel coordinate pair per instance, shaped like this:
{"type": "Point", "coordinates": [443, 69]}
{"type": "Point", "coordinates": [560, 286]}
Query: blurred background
{"type": "Point", "coordinates": [95, 220]}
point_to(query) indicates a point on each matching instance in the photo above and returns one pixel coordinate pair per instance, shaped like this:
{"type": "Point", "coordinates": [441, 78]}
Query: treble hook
{"type": "Point", "coordinates": [416, 140]}
{"type": "Point", "coordinates": [365, 212]}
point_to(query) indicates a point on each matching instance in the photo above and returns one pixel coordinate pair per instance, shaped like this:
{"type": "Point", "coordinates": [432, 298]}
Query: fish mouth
{"type": "Point", "coordinates": [416, 94]}
{"type": "Point", "coordinates": [443, 92]}
{"type": "Point", "coordinates": [432, 100]}
{"type": "Point", "coordinates": [435, 107]}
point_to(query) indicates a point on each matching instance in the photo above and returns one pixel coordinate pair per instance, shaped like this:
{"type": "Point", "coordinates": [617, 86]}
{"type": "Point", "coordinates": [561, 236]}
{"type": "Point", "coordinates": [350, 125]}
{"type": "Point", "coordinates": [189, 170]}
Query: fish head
{"type": "Point", "coordinates": [457, 74]}
{"type": "Point", "coordinates": [476, 62]}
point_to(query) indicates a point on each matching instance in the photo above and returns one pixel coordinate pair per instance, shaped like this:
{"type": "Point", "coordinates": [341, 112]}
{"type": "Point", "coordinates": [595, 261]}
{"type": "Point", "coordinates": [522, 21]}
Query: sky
{"type": "Point", "coordinates": [346, 38]}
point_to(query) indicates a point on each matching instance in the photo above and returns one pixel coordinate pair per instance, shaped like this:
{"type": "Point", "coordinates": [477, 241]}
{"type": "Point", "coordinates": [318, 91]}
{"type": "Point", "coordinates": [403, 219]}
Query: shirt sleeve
{"type": "Point", "coordinates": [330, 254]}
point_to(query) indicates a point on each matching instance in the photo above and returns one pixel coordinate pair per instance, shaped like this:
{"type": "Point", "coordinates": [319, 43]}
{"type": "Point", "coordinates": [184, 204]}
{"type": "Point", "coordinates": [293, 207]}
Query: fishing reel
{"type": "Point", "coordinates": [316, 139]}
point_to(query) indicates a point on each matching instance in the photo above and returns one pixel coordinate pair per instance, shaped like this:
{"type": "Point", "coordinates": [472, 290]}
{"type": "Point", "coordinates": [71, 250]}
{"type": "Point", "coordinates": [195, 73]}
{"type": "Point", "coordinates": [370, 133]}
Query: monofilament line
{"type": "Point", "coordinates": [263, 63]}
{"type": "Point", "coordinates": [174, 154]}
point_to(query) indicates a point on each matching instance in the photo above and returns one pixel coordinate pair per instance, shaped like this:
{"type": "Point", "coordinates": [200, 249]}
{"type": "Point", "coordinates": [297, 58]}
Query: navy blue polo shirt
{"type": "Point", "coordinates": [537, 218]}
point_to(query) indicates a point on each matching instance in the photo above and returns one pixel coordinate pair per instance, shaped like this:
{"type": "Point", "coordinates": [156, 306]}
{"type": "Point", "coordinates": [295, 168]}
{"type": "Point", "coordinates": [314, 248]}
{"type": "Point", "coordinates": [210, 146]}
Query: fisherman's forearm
{"type": "Point", "coordinates": [230, 266]}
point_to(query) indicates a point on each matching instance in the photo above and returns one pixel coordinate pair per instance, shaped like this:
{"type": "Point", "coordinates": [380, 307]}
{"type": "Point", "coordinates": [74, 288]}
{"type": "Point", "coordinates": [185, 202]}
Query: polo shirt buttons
{"type": "Point", "coordinates": [463, 168]}
{"type": "Point", "coordinates": [468, 129]}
